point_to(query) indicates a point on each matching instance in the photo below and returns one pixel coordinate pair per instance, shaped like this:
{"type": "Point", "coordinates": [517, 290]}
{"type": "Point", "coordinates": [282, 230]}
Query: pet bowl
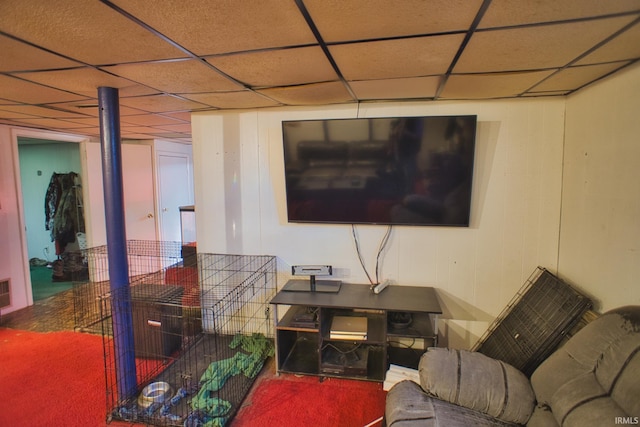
{"type": "Point", "coordinates": [157, 392]}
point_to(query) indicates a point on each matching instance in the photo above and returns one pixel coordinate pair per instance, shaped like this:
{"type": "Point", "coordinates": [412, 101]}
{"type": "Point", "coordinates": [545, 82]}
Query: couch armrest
{"type": "Point", "coordinates": [478, 382]}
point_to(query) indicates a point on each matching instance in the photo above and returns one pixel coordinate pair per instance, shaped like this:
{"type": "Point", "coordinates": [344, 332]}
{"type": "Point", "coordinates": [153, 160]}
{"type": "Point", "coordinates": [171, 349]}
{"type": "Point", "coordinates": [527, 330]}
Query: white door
{"type": "Point", "coordinates": [175, 190]}
{"type": "Point", "coordinates": [139, 198]}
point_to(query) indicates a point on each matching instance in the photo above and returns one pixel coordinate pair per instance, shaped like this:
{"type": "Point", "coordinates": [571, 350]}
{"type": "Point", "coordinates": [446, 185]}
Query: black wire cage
{"type": "Point", "coordinates": [148, 261]}
{"type": "Point", "coordinates": [200, 333]}
{"type": "Point", "coordinates": [534, 322]}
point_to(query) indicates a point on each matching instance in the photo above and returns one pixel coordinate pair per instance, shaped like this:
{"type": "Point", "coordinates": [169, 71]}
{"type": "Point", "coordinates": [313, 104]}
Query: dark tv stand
{"type": "Point", "coordinates": [312, 285]}
{"type": "Point", "coordinates": [305, 342]}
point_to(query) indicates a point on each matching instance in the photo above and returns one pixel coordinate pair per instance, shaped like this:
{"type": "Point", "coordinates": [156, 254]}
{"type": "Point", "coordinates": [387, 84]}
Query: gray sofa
{"type": "Point", "coordinates": [592, 380]}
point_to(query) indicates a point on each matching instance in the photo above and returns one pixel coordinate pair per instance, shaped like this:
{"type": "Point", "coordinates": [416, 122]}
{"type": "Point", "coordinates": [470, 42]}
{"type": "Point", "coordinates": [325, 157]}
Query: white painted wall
{"type": "Point", "coordinates": [240, 201]}
{"type": "Point", "coordinates": [600, 240]}
{"type": "Point", "coordinates": [12, 253]}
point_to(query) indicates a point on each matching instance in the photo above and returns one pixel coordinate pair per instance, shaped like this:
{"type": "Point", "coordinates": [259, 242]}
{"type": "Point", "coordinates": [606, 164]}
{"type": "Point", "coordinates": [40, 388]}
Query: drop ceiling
{"type": "Point", "coordinates": [173, 57]}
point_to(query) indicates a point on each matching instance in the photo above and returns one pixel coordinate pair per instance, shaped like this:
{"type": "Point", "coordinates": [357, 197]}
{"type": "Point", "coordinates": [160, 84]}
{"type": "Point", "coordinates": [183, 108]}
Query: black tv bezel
{"type": "Point", "coordinates": [465, 224]}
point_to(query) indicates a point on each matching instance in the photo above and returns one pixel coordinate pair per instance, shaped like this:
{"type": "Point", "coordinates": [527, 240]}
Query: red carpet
{"type": "Point", "coordinates": [58, 379]}
{"type": "Point", "coordinates": [51, 379]}
{"type": "Point", "coordinates": [289, 400]}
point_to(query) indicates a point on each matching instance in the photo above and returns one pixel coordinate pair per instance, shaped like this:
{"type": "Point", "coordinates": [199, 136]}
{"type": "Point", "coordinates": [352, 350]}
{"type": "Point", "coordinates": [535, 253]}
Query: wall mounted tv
{"type": "Point", "coordinates": [395, 171]}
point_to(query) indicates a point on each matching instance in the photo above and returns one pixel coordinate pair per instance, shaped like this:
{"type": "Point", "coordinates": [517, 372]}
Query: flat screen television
{"type": "Point", "coordinates": [393, 171]}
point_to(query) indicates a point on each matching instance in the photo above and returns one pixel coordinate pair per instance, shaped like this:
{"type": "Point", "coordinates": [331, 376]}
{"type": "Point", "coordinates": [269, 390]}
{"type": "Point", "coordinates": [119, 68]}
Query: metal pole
{"type": "Point", "coordinates": [117, 243]}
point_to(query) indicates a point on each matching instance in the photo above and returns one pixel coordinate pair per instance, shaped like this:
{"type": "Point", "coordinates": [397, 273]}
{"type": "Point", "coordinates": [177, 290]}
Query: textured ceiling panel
{"type": "Point", "coordinates": [6, 114]}
{"type": "Point", "coordinates": [339, 20]}
{"type": "Point", "coordinates": [89, 107]}
{"type": "Point", "coordinates": [327, 93]}
{"type": "Point", "coordinates": [575, 77]}
{"type": "Point", "coordinates": [16, 89]}
{"type": "Point", "coordinates": [512, 12]}
{"type": "Point", "coordinates": [149, 120]}
{"type": "Point", "coordinates": [51, 123]}
{"type": "Point", "coordinates": [34, 110]}
{"type": "Point", "coordinates": [184, 116]}
{"type": "Point", "coordinates": [623, 47]}
{"type": "Point", "coordinates": [533, 48]}
{"type": "Point", "coordinates": [86, 81]}
{"type": "Point", "coordinates": [282, 67]}
{"type": "Point", "coordinates": [413, 87]}
{"type": "Point", "coordinates": [189, 76]}
{"type": "Point", "coordinates": [184, 128]}
{"type": "Point", "coordinates": [170, 58]}
{"type": "Point", "coordinates": [83, 30]}
{"type": "Point", "coordinates": [422, 56]}
{"type": "Point", "coordinates": [161, 103]}
{"type": "Point", "coordinates": [491, 85]}
{"type": "Point", "coordinates": [21, 56]}
{"type": "Point", "coordinates": [244, 99]}
{"type": "Point", "coordinates": [208, 27]}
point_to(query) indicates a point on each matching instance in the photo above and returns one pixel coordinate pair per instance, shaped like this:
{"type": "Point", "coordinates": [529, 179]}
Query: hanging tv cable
{"type": "Point", "coordinates": [383, 243]}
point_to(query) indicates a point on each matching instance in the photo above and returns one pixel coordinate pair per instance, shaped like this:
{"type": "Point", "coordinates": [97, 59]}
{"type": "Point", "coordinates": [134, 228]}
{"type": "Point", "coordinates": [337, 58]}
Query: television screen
{"type": "Point", "coordinates": [403, 170]}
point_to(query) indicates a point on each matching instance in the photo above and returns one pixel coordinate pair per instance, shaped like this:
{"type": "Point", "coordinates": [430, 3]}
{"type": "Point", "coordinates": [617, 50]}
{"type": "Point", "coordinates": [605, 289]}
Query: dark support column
{"type": "Point", "coordinates": [123, 343]}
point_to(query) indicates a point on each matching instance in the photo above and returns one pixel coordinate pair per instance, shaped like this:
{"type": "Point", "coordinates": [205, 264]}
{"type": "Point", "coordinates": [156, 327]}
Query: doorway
{"type": "Point", "coordinates": [51, 183]}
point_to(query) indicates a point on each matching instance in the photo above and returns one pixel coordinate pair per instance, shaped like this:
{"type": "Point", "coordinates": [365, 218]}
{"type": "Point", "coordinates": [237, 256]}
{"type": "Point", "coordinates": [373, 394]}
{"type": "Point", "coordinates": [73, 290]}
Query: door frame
{"type": "Point", "coordinates": [50, 136]}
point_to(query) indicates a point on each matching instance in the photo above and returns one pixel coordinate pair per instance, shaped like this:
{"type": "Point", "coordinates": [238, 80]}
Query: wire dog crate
{"type": "Point", "coordinates": [149, 262]}
{"type": "Point", "coordinates": [534, 323]}
{"type": "Point", "coordinates": [185, 375]}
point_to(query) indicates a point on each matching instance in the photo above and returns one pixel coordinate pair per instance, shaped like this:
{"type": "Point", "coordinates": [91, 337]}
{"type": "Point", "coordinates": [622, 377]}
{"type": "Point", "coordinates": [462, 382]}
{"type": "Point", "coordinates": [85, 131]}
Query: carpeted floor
{"type": "Point", "coordinates": [43, 286]}
{"type": "Point", "coordinates": [291, 400]}
{"type": "Point", "coordinates": [57, 378]}
{"type": "Point", "coordinates": [51, 379]}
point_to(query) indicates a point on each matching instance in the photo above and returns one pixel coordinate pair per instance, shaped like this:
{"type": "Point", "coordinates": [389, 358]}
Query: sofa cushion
{"type": "Point", "coordinates": [542, 417]}
{"type": "Point", "coordinates": [478, 382]}
{"type": "Point", "coordinates": [408, 405]}
{"type": "Point", "coordinates": [593, 378]}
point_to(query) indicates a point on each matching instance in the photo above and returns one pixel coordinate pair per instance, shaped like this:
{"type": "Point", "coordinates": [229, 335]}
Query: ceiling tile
{"type": "Point", "coordinates": [50, 124]}
{"type": "Point", "coordinates": [245, 99]}
{"type": "Point", "coordinates": [89, 131]}
{"type": "Point", "coordinates": [38, 111]}
{"type": "Point", "coordinates": [131, 135]}
{"type": "Point", "coordinates": [312, 94]}
{"type": "Point", "coordinates": [412, 57]}
{"type": "Point", "coordinates": [575, 77]}
{"type": "Point", "coordinates": [282, 67]}
{"type": "Point", "coordinates": [625, 46]}
{"type": "Point", "coordinates": [410, 88]}
{"type": "Point", "coordinates": [207, 28]}
{"type": "Point", "coordinates": [531, 48]}
{"type": "Point", "coordinates": [149, 120]}
{"type": "Point", "coordinates": [509, 12]}
{"type": "Point", "coordinates": [544, 93]}
{"type": "Point", "coordinates": [86, 121]}
{"type": "Point", "coordinates": [32, 93]}
{"type": "Point", "coordinates": [160, 103]}
{"type": "Point", "coordinates": [86, 81]}
{"type": "Point", "coordinates": [21, 56]}
{"type": "Point", "coordinates": [7, 114]}
{"type": "Point", "coordinates": [184, 128]}
{"type": "Point", "coordinates": [485, 86]}
{"type": "Point", "coordinates": [125, 128]}
{"type": "Point", "coordinates": [186, 76]}
{"type": "Point", "coordinates": [339, 20]}
{"type": "Point", "coordinates": [90, 108]}
{"type": "Point", "coordinates": [87, 31]}
{"type": "Point", "coordinates": [180, 115]}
